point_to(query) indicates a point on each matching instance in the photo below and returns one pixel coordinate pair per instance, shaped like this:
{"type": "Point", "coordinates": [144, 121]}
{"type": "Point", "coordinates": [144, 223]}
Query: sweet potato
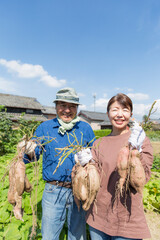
{"type": "Point", "coordinates": [93, 185]}
{"type": "Point", "coordinates": [27, 185]}
{"type": "Point", "coordinates": [79, 183]}
{"type": "Point", "coordinates": [137, 174]}
{"type": "Point", "coordinates": [130, 167]}
{"type": "Point", "coordinates": [12, 186]}
{"type": "Point", "coordinates": [85, 184]}
{"type": "Point", "coordinates": [19, 176]}
{"type": "Point", "coordinates": [122, 165]}
{"type": "Point", "coordinates": [18, 183]}
{"type": "Point", "coordinates": [18, 207]}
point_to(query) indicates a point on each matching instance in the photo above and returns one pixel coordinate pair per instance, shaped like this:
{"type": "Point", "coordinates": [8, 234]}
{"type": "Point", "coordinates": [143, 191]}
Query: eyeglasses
{"type": "Point", "coordinates": [64, 106]}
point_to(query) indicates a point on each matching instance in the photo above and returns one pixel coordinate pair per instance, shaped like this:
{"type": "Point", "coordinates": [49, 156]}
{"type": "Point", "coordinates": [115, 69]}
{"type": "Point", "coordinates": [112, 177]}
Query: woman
{"type": "Point", "coordinates": [118, 215]}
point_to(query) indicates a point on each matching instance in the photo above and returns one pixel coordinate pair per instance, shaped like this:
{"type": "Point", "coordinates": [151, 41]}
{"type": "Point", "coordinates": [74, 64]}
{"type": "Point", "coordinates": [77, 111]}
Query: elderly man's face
{"type": "Point", "coordinates": [66, 111]}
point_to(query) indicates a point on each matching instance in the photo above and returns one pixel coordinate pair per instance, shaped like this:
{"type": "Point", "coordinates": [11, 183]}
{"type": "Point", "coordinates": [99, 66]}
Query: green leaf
{"type": "Point", "coordinates": [12, 232]}
{"type": "Point", "coordinates": [4, 216]}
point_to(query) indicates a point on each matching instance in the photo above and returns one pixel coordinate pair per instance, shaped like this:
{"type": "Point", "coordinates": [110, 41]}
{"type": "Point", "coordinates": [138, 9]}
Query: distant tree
{"type": "Point", "coordinates": [7, 134]}
{"type": "Point", "coordinates": [145, 119]}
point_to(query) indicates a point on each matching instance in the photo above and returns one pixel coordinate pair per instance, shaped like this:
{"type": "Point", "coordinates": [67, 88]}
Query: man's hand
{"type": "Point", "coordinates": [83, 156]}
{"type": "Point", "coordinates": [137, 136]}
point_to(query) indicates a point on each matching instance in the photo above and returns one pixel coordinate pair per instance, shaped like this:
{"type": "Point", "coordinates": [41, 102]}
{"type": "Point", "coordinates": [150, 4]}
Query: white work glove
{"type": "Point", "coordinates": [29, 146]}
{"type": "Point", "coordinates": [83, 156]}
{"type": "Point", "coordinates": [137, 136]}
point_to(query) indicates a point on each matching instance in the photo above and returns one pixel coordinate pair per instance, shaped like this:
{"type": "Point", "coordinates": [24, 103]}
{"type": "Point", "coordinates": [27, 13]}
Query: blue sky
{"type": "Point", "coordinates": [98, 47]}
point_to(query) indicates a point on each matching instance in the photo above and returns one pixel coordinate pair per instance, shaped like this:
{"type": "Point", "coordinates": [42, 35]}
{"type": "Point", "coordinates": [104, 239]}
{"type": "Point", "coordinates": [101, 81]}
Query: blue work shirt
{"type": "Point", "coordinates": [48, 131]}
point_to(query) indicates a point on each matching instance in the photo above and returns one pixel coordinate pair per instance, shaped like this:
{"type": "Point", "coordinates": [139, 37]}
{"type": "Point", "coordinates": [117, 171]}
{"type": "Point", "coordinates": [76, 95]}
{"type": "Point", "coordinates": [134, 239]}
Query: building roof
{"type": "Point", "coordinates": [35, 117]}
{"type": "Point", "coordinates": [49, 110]}
{"type": "Point", "coordinates": [16, 101]}
{"type": "Point", "coordinates": [104, 123]}
{"type": "Point", "coordinates": [98, 116]}
{"type": "Point", "coordinates": [157, 121]}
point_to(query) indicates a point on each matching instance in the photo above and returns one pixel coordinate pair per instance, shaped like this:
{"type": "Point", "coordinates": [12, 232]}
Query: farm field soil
{"type": "Point", "coordinates": [153, 220]}
{"type": "Point", "coordinates": [156, 147]}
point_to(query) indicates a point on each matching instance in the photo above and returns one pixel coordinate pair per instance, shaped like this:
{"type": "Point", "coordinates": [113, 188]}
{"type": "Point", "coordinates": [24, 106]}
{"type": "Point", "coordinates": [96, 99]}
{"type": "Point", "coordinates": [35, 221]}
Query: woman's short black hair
{"type": "Point", "coordinates": [122, 99]}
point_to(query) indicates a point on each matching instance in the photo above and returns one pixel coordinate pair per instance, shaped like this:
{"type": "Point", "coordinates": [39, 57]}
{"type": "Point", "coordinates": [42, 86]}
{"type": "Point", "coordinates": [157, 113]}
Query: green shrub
{"type": "Point", "coordinates": [7, 134]}
{"type": "Point", "coordinates": [151, 193]}
{"type": "Point", "coordinates": [156, 164]}
{"type": "Point", "coordinates": [153, 135]}
{"type": "Point", "coordinates": [11, 133]}
{"type": "Point", "coordinates": [102, 133]}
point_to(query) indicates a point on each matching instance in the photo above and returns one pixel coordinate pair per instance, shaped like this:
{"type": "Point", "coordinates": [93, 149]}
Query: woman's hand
{"type": "Point", "coordinates": [83, 156]}
{"type": "Point", "coordinates": [137, 136]}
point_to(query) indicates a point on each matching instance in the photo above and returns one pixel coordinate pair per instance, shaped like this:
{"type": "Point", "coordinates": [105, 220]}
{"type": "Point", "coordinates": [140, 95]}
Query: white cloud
{"type": "Point", "coordinates": [139, 110]}
{"type": "Point", "coordinates": [138, 96]}
{"type": "Point", "coordinates": [121, 90]}
{"type": "Point", "coordinates": [7, 86]}
{"type": "Point", "coordinates": [52, 81]}
{"type": "Point", "coordinates": [100, 104]}
{"type": "Point", "coordinates": [25, 70]}
{"type": "Point", "coordinates": [82, 107]}
{"type": "Point", "coordinates": [158, 101]}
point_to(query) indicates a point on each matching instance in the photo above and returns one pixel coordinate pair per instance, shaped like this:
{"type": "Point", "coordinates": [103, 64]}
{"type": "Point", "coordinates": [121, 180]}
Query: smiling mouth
{"type": "Point", "coordinates": [67, 115]}
{"type": "Point", "coordinates": [119, 121]}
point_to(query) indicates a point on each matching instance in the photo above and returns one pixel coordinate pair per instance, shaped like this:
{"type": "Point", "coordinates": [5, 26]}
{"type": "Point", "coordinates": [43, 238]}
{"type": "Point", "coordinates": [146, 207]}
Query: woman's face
{"type": "Point", "coordinates": [119, 116]}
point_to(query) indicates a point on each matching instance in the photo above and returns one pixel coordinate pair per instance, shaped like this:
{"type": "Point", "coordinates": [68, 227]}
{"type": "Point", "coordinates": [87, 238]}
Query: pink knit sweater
{"type": "Point", "coordinates": [111, 213]}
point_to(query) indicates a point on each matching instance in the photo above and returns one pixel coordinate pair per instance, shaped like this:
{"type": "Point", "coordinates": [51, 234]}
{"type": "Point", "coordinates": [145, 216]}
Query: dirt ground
{"type": "Point", "coordinates": [153, 220]}
{"type": "Point", "coordinates": [156, 148]}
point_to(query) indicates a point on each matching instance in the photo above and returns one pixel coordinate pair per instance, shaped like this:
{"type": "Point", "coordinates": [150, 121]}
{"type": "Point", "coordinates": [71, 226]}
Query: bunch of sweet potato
{"type": "Point", "coordinates": [18, 183]}
{"type": "Point", "coordinates": [85, 184]}
{"type": "Point", "coordinates": [130, 170]}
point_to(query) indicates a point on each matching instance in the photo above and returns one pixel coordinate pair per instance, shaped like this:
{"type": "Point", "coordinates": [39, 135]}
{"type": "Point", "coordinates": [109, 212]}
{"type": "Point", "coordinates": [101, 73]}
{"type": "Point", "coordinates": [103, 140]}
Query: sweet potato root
{"type": "Point", "coordinates": [79, 183]}
{"type": "Point", "coordinates": [19, 177]}
{"type": "Point", "coordinates": [93, 185]}
{"type": "Point", "coordinates": [130, 167]}
{"type": "Point", "coordinates": [122, 165]}
{"type": "Point", "coordinates": [85, 184]}
{"type": "Point", "coordinates": [12, 186]}
{"type": "Point", "coordinates": [27, 185]}
{"type": "Point", "coordinates": [18, 207]}
{"type": "Point", "coordinates": [18, 183]}
{"type": "Point", "coordinates": [137, 174]}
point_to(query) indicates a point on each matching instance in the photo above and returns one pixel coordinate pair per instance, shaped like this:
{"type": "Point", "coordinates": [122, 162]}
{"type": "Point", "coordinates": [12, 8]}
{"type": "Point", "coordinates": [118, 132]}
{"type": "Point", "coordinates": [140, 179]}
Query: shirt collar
{"type": "Point", "coordinates": [56, 123]}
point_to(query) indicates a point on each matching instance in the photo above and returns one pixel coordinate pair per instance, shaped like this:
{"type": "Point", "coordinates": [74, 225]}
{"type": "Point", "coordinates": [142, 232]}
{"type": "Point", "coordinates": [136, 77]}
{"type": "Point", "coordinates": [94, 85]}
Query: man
{"type": "Point", "coordinates": [58, 200]}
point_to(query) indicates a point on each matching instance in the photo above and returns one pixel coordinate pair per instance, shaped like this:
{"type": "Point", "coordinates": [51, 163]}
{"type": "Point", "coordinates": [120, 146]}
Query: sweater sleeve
{"type": "Point", "coordinates": [96, 154]}
{"type": "Point", "coordinates": [146, 157]}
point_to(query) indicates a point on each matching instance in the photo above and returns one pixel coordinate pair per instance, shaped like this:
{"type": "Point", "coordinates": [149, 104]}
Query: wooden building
{"type": "Point", "coordinates": [97, 120]}
{"type": "Point", "coordinates": [49, 112]}
{"type": "Point", "coordinates": [16, 105]}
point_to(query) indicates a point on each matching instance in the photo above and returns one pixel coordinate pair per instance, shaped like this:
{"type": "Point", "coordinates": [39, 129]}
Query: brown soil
{"type": "Point", "coordinates": [153, 220]}
{"type": "Point", "coordinates": [156, 148]}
